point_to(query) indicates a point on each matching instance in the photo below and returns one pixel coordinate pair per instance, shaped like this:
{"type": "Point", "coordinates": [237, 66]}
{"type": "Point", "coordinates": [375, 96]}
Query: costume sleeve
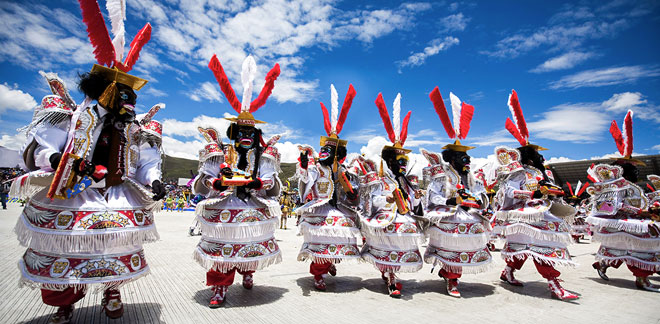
{"type": "Point", "coordinates": [207, 171]}
{"type": "Point", "coordinates": [306, 178]}
{"type": "Point", "coordinates": [436, 192]}
{"type": "Point", "coordinates": [49, 140]}
{"type": "Point", "coordinates": [514, 188]}
{"type": "Point", "coordinates": [149, 166]}
{"type": "Point", "coordinates": [378, 197]}
{"type": "Point", "coordinates": [268, 169]}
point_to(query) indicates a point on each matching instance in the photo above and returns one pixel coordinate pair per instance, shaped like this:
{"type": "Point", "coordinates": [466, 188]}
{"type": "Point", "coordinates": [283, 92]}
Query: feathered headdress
{"type": "Point", "coordinates": [396, 131]}
{"type": "Point", "coordinates": [247, 107]}
{"type": "Point", "coordinates": [462, 113]}
{"type": "Point", "coordinates": [579, 189]}
{"type": "Point", "coordinates": [624, 140]}
{"type": "Point", "coordinates": [110, 52]}
{"type": "Point", "coordinates": [333, 125]}
{"type": "Point", "coordinates": [150, 126]}
{"type": "Point", "coordinates": [519, 129]}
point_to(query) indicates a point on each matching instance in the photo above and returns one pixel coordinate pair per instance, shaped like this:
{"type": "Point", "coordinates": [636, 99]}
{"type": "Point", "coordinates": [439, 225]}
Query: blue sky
{"type": "Point", "coordinates": [575, 65]}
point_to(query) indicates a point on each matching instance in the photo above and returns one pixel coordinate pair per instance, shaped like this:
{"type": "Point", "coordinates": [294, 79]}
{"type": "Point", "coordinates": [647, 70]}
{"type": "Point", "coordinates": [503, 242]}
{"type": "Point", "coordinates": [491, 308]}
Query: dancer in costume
{"type": "Point", "coordinates": [534, 217]}
{"type": "Point", "coordinates": [89, 207]}
{"type": "Point", "coordinates": [390, 205]}
{"type": "Point", "coordinates": [618, 214]}
{"type": "Point", "coordinates": [329, 221]}
{"type": "Point", "coordinates": [239, 218]}
{"type": "Point", "coordinates": [459, 232]}
{"type": "Point", "coordinates": [579, 228]}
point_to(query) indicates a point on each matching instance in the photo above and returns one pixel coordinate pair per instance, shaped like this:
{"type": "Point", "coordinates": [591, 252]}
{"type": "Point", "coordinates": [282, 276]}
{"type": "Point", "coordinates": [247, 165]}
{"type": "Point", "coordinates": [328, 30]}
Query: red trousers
{"type": "Point", "coordinates": [637, 272]}
{"type": "Point", "coordinates": [217, 278]}
{"type": "Point", "coordinates": [450, 275]}
{"type": "Point", "coordinates": [65, 297]}
{"type": "Point", "coordinates": [546, 270]}
{"type": "Point", "coordinates": [319, 269]}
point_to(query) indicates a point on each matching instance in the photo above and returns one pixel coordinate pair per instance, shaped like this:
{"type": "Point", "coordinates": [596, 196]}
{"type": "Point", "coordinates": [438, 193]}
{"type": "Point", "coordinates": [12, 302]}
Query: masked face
{"type": "Point", "coordinates": [630, 172]}
{"type": "Point", "coordinates": [461, 162]}
{"type": "Point", "coordinates": [536, 160]}
{"type": "Point", "coordinates": [126, 102]}
{"type": "Point", "coordinates": [327, 154]}
{"type": "Point", "coordinates": [399, 165]}
{"type": "Point", "coordinates": [246, 137]}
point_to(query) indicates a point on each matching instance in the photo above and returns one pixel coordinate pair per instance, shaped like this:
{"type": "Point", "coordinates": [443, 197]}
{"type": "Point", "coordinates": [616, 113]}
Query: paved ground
{"type": "Point", "coordinates": [175, 291]}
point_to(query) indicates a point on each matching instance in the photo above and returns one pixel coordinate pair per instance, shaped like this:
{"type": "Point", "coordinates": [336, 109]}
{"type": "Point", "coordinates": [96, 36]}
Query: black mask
{"type": "Point", "coordinates": [246, 137]}
{"type": "Point", "coordinates": [630, 172]}
{"type": "Point", "coordinates": [327, 155]}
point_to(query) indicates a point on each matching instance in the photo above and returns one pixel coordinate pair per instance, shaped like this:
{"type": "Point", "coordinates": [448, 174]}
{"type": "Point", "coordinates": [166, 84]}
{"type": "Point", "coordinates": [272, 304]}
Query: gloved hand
{"type": "Point", "coordinates": [54, 160]}
{"type": "Point", "coordinates": [537, 194]}
{"type": "Point", "coordinates": [83, 167]}
{"type": "Point", "coordinates": [451, 202]}
{"type": "Point", "coordinates": [158, 189]}
{"type": "Point", "coordinates": [255, 184]}
{"type": "Point", "coordinates": [217, 185]}
{"type": "Point", "coordinates": [225, 170]}
{"type": "Point", "coordinates": [304, 160]}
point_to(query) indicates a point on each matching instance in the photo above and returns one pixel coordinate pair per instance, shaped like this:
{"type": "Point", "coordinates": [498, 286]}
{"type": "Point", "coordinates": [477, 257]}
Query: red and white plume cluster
{"type": "Point", "coordinates": [519, 128]}
{"type": "Point", "coordinates": [624, 141]}
{"type": "Point", "coordinates": [579, 188]}
{"type": "Point", "coordinates": [333, 125]}
{"type": "Point", "coordinates": [396, 131]}
{"type": "Point", "coordinates": [248, 74]}
{"type": "Point", "coordinates": [461, 112]}
{"type": "Point", "coordinates": [110, 52]}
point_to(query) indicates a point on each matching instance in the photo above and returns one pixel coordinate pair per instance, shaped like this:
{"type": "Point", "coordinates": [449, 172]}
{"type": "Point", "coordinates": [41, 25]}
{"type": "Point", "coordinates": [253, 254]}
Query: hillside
{"type": "Point", "coordinates": [174, 168]}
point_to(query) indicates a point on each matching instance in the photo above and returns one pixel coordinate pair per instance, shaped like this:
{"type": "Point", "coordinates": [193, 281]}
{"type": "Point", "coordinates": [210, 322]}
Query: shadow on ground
{"type": "Point", "coordinates": [237, 296]}
{"type": "Point", "coordinates": [133, 313]}
{"type": "Point", "coordinates": [538, 289]}
{"type": "Point", "coordinates": [339, 284]}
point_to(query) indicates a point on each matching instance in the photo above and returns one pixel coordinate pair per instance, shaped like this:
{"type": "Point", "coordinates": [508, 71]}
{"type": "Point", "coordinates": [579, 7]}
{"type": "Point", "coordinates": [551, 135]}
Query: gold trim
{"type": "Point", "coordinates": [114, 74]}
{"type": "Point", "coordinates": [457, 147]}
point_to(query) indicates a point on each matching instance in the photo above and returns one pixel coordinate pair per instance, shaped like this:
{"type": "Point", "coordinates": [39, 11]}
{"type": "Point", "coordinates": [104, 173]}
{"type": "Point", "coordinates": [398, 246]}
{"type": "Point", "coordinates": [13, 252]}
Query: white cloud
{"type": "Point", "coordinates": [206, 91]}
{"type": "Point", "coordinates": [15, 99]}
{"type": "Point", "coordinates": [501, 136]}
{"type": "Point", "coordinates": [570, 29]}
{"type": "Point", "coordinates": [435, 46]}
{"type": "Point", "coordinates": [455, 22]}
{"type": "Point", "coordinates": [621, 102]}
{"type": "Point", "coordinates": [578, 123]}
{"type": "Point", "coordinates": [289, 151]}
{"type": "Point", "coordinates": [13, 142]}
{"type": "Point", "coordinates": [656, 148]}
{"type": "Point", "coordinates": [606, 76]}
{"type": "Point", "coordinates": [563, 62]}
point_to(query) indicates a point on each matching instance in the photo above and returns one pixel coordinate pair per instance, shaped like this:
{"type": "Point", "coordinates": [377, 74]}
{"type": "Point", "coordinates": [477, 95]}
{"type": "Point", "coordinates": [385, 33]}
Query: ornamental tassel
{"type": "Point", "coordinates": [107, 99]}
{"type": "Point", "coordinates": [381, 173]}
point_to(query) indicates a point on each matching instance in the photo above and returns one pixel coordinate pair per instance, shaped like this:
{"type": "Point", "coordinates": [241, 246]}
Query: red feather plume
{"type": "Point", "coordinates": [142, 37]}
{"type": "Point", "coordinates": [511, 127]}
{"type": "Point", "coordinates": [628, 130]}
{"type": "Point", "coordinates": [98, 34]}
{"type": "Point", "coordinates": [467, 111]}
{"type": "Point", "coordinates": [348, 101]}
{"type": "Point", "coordinates": [382, 109]}
{"type": "Point", "coordinates": [618, 137]}
{"type": "Point", "coordinates": [266, 90]}
{"type": "Point", "coordinates": [570, 188]}
{"type": "Point", "coordinates": [225, 86]}
{"type": "Point", "coordinates": [584, 187]}
{"type": "Point", "coordinates": [326, 119]}
{"type": "Point", "coordinates": [649, 186]}
{"type": "Point", "coordinates": [520, 119]}
{"type": "Point", "coordinates": [404, 128]}
{"type": "Point", "coordinates": [441, 110]}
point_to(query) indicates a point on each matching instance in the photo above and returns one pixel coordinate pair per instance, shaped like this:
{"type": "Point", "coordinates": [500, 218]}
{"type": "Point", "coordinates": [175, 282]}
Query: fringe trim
{"type": "Point", "coordinates": [619, 224]}
{"type": "Point", "coordinates": [29, 188]}
{"type": "Point", "coordinates": [466, 268]}
{"type": "Point", "coordinates": [521, 255]}
{"type": "Point", "coordinates": [238, 230]}
{"type": "Point", "coordinates": [391, 267]}
{"type": "Point", "coordinates": [273, 206]}
{"type": "Point", "coordinates": [444, 239]}
{"type": "Point", "coordinates": [306, 255]}
{"type": "Point", "coordinates": [506, 215]}
{"type": "Point", "coordinates": [70, 242]}
{"type": "Point", "coordinates": [149, 203]}
{"type": "Point", "coordinates": [27, 280]}
{"type": "Point", "coordinates": [537, 234]}
{"type": "Point", "coordinates": [200, 210]}
{"type": "Point", "coordinates": [252, 264]}
{"type": "Point", "coordinates": [627, 241]}
{"type": "Point", "coordinates": [329, 231]}
{"type": "Point", "coordinates": [648, 266]}
{"type": "Point", "coordinates": [400, 240]}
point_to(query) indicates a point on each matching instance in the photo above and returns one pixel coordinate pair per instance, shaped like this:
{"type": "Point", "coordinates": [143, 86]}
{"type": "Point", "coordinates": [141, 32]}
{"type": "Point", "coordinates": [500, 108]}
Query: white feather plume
{"type": "Point", "coordinates": [117, 13]}
{"type": "Point", "coordinates": [247, 78]}
{"type": "Point", "coordinates": [456, 112]}
{"type": "Point", "coordinates": [577, 187]}
{"type": "Point", "coordinates": [334, 102]}
{"type": "Point", "coordinates": [396, 116]}
{"type": "Point", "coordinates": [513, 113]}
